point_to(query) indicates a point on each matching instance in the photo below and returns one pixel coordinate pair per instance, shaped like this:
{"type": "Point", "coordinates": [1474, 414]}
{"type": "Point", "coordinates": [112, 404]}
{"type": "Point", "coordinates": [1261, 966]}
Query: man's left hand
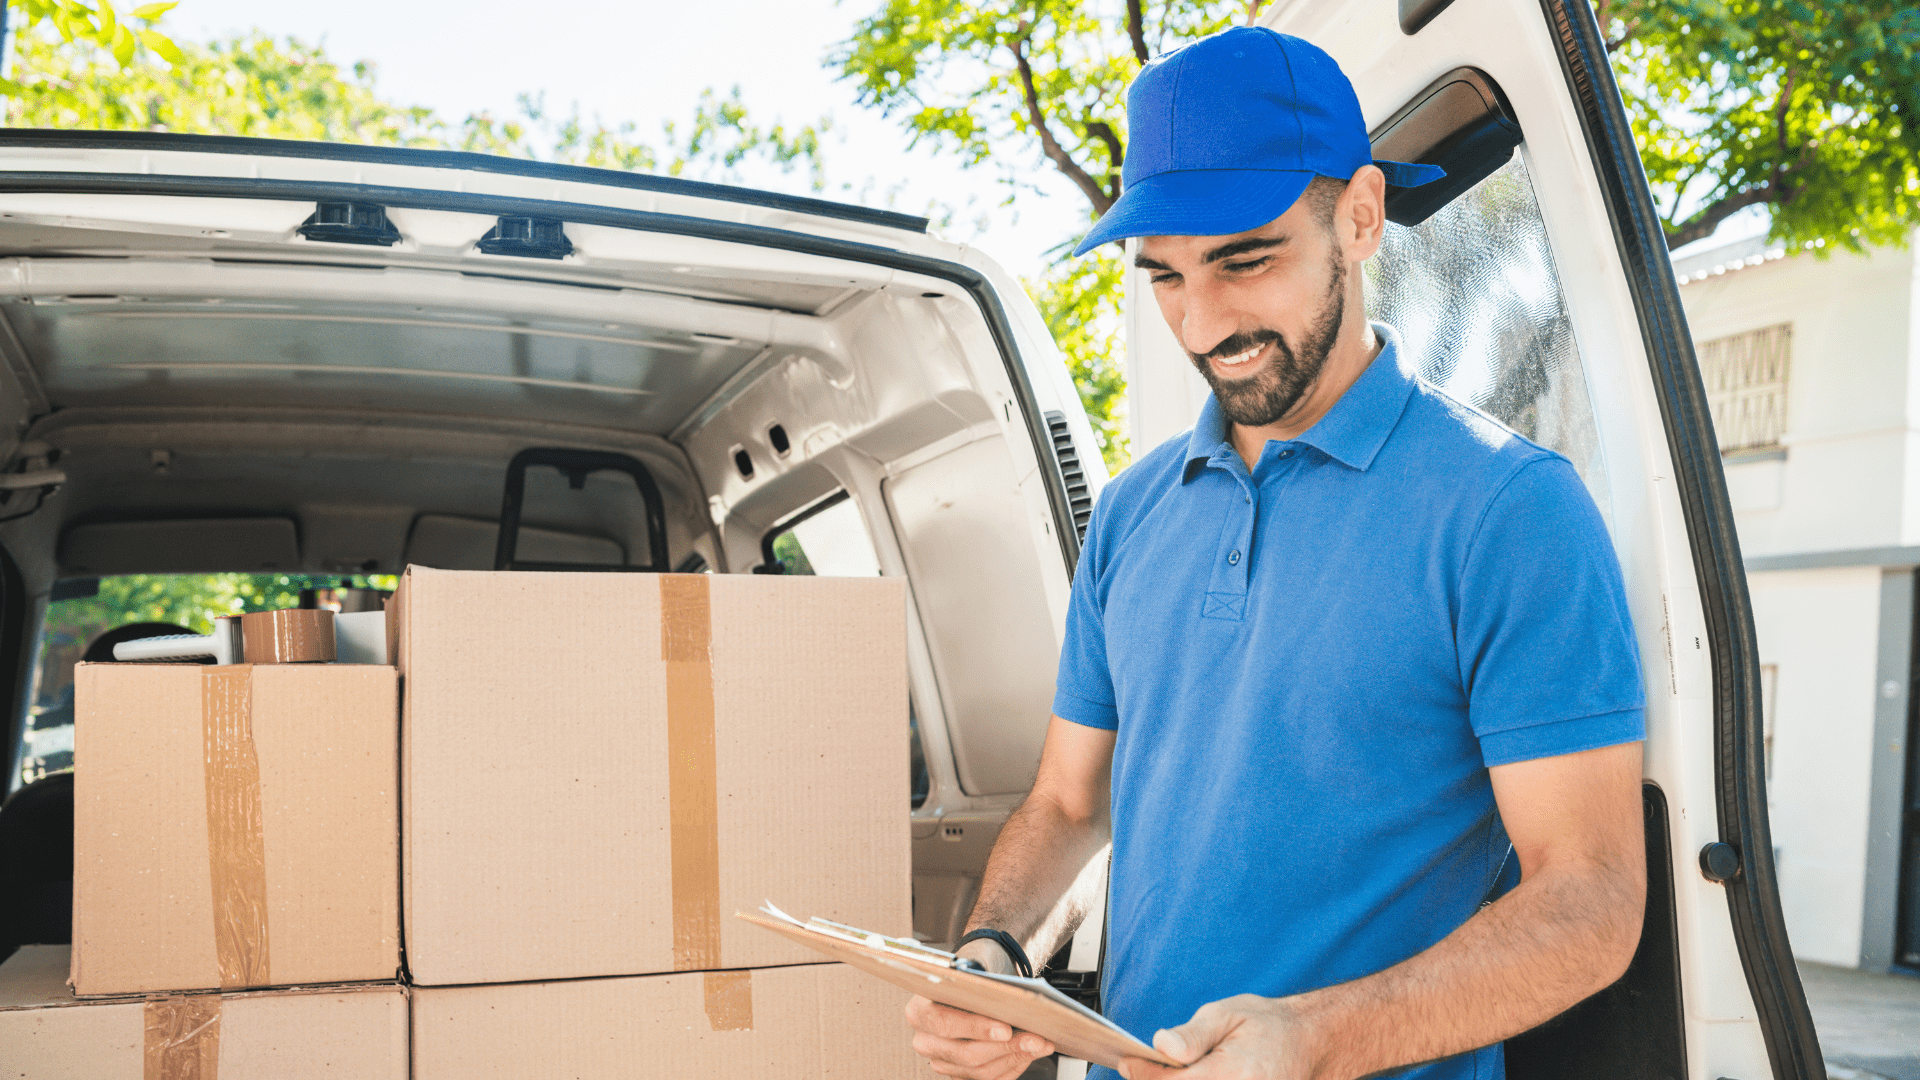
{"type": "Point", "coordinates": [1238, 1038]}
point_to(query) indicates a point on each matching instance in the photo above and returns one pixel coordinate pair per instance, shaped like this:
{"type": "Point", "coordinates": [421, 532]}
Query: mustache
{"type": "Point", "coordinates": [1244, 341]}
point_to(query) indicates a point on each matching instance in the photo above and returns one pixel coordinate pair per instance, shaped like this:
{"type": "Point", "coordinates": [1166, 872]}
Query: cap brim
{"type": "Point", "coordinates": [1219, 202]}
{"type": "Point", "coordinates": [1197, 202]}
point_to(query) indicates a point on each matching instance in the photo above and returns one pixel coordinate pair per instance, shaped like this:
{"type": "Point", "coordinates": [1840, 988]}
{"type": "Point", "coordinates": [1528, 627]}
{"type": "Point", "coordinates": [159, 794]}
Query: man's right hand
{"type": "Point", "coordinates": [968, 1045]}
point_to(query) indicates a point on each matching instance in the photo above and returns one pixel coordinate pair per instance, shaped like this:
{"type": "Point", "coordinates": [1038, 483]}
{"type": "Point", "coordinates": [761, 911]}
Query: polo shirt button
{"type": "Point", "coordinates": [1233, 559]}
{"type": "Point", "coordinates": [1286, 453]}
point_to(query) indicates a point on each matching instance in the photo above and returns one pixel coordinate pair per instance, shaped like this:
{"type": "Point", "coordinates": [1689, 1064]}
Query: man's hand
{"type": "Point", "coordinates": [968, 1045]}
{"type": "Point", "coordinates": [1239, 1038]}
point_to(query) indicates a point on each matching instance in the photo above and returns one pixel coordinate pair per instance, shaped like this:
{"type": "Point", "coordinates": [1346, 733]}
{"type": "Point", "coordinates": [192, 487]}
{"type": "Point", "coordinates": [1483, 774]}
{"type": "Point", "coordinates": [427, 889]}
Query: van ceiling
{"type": "Point", "coordinates": [632, 332]}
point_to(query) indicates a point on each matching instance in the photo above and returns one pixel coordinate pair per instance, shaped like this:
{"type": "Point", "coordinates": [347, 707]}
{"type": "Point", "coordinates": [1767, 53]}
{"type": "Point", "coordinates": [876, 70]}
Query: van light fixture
{"type": "Point", "coordinates": [341, 222]}
{"type": "Point", "coordinates": [527, 238]}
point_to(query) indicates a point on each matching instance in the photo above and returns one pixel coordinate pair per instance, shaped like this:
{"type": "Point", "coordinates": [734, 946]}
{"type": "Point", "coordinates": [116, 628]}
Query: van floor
{"type": "Point", "coordinates": [1867, 1021]}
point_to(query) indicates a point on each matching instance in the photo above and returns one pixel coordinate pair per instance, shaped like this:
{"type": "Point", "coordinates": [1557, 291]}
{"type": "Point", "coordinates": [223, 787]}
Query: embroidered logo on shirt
{"type": "Point", "coordinates": [1224, 605]}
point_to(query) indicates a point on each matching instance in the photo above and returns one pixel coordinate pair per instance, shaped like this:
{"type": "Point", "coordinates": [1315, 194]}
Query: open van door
{"type": "Point", "coordinates": [1534, 282]}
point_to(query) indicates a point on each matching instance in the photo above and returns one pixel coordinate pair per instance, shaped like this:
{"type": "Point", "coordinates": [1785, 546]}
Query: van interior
{"type": "Point", "coordinates": [226, 389]}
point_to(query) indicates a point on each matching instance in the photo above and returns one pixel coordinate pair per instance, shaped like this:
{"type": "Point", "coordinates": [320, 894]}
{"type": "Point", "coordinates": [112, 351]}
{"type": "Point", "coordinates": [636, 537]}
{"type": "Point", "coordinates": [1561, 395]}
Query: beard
{"type": "Point", "coordinates": [1271, 391]}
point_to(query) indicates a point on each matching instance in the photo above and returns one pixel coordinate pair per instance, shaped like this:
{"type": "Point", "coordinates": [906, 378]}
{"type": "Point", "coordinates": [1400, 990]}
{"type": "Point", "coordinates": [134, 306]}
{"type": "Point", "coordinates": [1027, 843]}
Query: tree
{"type": "Point", "coordinates": [1803, 107]}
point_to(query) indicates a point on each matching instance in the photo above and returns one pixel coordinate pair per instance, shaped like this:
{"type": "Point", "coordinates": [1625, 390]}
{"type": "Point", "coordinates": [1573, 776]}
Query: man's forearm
{"type": "Point", "coordinates": [1035, 863]}
{"type": "Point", "coordinates": [1557, 938]}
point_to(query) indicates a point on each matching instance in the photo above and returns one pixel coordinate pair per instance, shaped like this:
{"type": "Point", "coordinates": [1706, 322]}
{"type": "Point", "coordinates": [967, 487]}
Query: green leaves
{"type": "Point", "coordinates": [96, 23]}
{"type": "Point", "coordinates": [1797, 106]}
{"type": "Point", "coordinates": [1080, 299]}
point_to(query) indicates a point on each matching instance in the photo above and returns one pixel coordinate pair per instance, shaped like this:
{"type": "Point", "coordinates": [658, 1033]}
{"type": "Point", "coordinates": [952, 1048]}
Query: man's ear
{"type": "Point", "coordinates": [1360, 216]}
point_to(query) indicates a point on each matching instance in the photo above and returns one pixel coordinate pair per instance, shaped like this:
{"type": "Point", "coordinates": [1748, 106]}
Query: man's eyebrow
{"type": "Point", "coordinates": [1145, 263]}
{"type": "Point", "coordinates": [1241, 247]}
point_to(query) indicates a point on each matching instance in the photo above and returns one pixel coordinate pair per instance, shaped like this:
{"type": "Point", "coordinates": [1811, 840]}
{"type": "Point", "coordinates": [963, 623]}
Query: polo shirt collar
{"type": "Point", "coordinates": [1352, 432]}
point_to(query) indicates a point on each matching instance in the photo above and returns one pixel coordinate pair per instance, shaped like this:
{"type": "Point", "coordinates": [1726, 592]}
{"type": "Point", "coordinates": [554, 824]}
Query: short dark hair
{"type": "Point", "coordinates": [1321, 194]}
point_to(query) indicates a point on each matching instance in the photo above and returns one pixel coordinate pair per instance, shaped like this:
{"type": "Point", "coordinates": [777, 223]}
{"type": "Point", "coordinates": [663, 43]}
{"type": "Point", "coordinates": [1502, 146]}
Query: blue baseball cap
{"type": "Point", "coordinates": [1225, 133]}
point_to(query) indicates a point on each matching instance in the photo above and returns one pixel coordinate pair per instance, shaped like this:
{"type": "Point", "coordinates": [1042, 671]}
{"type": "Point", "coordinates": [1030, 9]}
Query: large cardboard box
{"type": "Point", "coordinates": [812, 1022]}
{"type": "Point", "coordinates": [600, 769]}
{"type": "Point", "coordinates": [324, 1033]}
{"type": "Point", "coordinates": [234, 826]}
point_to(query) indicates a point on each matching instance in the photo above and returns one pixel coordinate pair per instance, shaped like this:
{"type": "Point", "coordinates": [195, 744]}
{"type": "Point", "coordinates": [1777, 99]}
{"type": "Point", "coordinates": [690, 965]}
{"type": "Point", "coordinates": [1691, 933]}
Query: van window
{"type": "Point", "coordinates": [827, 540]}
{"type": "Point", "coordinates": [79, 611]}
{"type": "Point", "coordinates": [1476, 299]}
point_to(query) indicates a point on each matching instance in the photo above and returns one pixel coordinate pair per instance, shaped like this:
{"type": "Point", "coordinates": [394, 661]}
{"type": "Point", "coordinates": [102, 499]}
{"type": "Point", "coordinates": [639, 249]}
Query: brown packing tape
{"type": "Point", "coordinates": [686, 647]}
{"type": "Point", "coordinates": [288, 636]}
{"type": "Point", "coordinates": [236, 842]}
{"type": "Point", "coordinates": [182, 1038]}
{"type": "Point", "coordinates": [729, 1000]}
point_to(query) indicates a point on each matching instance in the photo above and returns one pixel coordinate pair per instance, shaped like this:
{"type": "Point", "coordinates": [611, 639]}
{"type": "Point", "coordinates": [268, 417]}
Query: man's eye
{"type": "Point", "coordinates": [1250, 264]}
{"type": "Point", "coordinates": [1162, 279]}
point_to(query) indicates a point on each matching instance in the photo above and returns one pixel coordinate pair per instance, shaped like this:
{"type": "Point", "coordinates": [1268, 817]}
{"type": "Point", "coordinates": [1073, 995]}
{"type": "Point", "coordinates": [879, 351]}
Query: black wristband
{"type": "Point", "coordinates": [1005, 940]}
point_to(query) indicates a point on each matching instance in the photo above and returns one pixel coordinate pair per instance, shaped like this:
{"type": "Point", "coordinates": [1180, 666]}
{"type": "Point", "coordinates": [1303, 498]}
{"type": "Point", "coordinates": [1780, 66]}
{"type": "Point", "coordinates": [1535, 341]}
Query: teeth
{"type": "Point", "coordinates": [1239, 358]}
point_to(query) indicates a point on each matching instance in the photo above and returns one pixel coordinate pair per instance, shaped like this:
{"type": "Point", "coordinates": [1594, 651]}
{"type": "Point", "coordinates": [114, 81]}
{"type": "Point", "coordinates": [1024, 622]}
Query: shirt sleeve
{"type": "Point", "coordinates": [1083, 689]}
{"type": "Point", "coordinates": [1546, 646]}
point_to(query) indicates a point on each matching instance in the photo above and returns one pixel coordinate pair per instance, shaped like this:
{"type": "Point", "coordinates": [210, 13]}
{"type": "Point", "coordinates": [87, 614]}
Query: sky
{"type": "Point", "coordinates": [647, 62]}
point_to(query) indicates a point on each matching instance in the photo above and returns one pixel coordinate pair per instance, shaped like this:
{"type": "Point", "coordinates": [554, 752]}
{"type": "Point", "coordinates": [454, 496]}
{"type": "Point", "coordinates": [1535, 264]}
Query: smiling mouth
{"type": "Point", "coordinates": [1240, 360]}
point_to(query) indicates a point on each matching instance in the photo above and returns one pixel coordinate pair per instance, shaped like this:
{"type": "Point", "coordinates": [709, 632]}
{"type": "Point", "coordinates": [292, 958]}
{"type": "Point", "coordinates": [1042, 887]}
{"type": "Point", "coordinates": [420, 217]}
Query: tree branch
{"type": "Point", "coordinates": [1048, 144]}
{"type": "Point", "coordinates": [1137, 30]}
{"type": "Point", "coordinates": [1116, 155]}
{"type": "Point", "coordinates": [1702, 223]}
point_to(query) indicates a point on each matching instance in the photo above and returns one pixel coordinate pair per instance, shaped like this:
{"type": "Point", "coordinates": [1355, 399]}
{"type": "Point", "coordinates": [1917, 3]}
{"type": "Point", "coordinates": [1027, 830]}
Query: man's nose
{"type": "Point", "coordinates": [1206, 321]}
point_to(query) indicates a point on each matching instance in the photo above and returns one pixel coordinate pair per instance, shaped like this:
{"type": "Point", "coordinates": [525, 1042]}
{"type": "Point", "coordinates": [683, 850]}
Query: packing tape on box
{"type": "Point", "coordinates": [686, 648]}
{"type": "Point", "coordinates": [729, 1000]}
{"type": "Point", "coordinates": [182, 1038]}
{"type": "Point", "coordinates": [288, 636]}
{"type": "Point", "coordinates": [236, 840]}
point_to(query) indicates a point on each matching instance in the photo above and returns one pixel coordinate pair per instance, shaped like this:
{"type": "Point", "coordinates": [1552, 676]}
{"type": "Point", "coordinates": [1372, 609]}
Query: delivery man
{"type": "Point", "coordinates": [1339, 663]}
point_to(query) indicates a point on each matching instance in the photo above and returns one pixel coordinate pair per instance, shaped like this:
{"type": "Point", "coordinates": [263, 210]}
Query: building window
{"type": "Point", "coordinates": [1746, 377]}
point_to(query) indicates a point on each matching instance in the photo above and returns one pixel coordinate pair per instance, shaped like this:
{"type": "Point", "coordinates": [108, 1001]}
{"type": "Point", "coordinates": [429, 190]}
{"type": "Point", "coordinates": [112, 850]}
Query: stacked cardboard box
{"type": "Point", "coordinates": [234, 826]}
{"type": "Point", "coordinates": [598, 770]}
{"type": "Point", "coordinates": [336, 1033]}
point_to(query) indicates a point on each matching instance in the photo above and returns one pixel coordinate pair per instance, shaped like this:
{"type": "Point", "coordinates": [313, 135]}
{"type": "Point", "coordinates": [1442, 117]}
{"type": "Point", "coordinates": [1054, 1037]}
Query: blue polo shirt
{"type": "Point", "coordinates": [1310, 667]}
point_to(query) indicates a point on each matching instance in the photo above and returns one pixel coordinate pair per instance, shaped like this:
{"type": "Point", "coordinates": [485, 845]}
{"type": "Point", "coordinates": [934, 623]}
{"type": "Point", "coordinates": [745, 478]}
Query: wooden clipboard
{"type": "Point", "coordinates": [1026, 1004]}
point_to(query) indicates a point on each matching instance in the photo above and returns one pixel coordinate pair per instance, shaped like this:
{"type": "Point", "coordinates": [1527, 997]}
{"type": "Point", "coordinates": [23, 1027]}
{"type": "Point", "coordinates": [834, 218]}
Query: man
{"type": "Point", "coordinates": [1339, 664]}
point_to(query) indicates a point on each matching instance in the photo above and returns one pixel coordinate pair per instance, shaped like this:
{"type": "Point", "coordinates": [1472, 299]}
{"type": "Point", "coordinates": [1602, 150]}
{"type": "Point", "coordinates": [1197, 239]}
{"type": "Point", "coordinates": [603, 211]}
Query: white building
{"type": "Point", "coordinates": [1813, 366]}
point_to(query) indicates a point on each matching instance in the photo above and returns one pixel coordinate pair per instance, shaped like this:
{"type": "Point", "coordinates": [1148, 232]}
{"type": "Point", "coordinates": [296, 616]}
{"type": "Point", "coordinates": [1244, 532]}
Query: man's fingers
{"type": "Point", "coordinates": [1132, 1068]}
{"type": "Point", "coordinates": [1192, 1040]}
{"type": "Point", "coordinates": [975, 1052]}
{"type": "Point", "coordinates": [972, 1053]}
{"type": "Point", "coordinates": [1031, 1045]}
{"type": "Point", "coordinates": [950, 1023]}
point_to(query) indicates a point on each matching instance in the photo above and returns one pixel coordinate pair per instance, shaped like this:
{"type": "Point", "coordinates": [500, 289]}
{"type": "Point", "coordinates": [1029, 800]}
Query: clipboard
{"type": "Point", "coordinates": [1026, 1004]}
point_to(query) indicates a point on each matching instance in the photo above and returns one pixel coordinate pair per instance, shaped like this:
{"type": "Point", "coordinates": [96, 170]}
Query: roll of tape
{"type": "Point", "coordinates": [292, 636]}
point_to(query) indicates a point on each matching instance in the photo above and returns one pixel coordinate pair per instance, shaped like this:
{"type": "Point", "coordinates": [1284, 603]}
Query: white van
{"type": "Point", "coordinates": [259, 356]}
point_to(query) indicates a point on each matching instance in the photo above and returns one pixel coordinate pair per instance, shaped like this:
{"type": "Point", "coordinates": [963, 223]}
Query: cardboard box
{"type": "Point", "coordinates": [811, 1022]}
{"type": "Point", "coordinates": [600, 769]}
{"type": "Point", "coordinates": [234, 826]}
{"type": "Point", "coordinates": [330, 1033]}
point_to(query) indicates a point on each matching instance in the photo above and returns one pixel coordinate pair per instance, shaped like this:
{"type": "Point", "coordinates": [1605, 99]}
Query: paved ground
{"type": "Point", "coordinates": [1869, 1024]}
